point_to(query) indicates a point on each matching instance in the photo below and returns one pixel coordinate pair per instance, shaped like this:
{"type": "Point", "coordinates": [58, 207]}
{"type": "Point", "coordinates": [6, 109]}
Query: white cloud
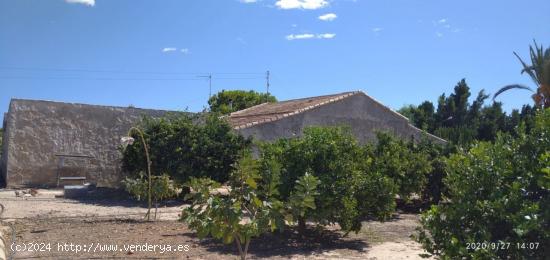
{"type": "Point", "coordinates": [291, 37]}
{"type": "Point", "coordinates": [248, 1]}
{"type": "Point", "coordinates": [85, 2]}
{"type": "Point", "coordinates": [377, 29]}
{"type": "Point", "coordinates": [326, 35]}
{"type": "Point", "coordinates": [184, 51]}
{"type": "Point", "coordinates": [306, 36]}
{"type": "Point", "coordinates": [442, 25]}
{"type": "Point", "coordinates": [328, 17]}
{"type": "Point", "coordinates": [169, 49]}
{"type": "Point", "coordinates": [301, 4]}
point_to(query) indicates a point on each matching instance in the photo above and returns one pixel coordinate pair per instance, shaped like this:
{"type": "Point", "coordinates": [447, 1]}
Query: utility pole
{"type": "Point", "coordinates": [267, 81]}
{"type": "Point", "coordinates": [209, 86]}
{"type": "Point", "coordinates": [209, 77]}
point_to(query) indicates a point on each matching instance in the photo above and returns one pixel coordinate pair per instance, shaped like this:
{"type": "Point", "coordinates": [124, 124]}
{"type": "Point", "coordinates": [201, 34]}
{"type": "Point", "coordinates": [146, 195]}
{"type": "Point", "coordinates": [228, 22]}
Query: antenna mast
{"type": "Point", "coordinates": [209, 77]}
{"type": "Point", "coordinates": [267, 81]}
{"type": "Point", "coordinates": [209, 86]}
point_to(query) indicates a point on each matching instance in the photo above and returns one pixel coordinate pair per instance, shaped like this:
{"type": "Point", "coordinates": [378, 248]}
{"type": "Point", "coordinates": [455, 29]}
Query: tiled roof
{"type": "Point", "coordinates": [268, 112]}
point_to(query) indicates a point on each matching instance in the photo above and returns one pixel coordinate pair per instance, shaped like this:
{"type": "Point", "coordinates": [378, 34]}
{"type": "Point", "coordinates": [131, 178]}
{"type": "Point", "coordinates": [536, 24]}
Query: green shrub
{"type": "Point", "coordinates": [302, 198]}
{"type": "Point", "coordinates": [437, 156]}
{"type": "Point", "coordinates": [228, 101]}
{"type": "Point", "coordinates": [402, 163]}
{"type": "Point", "coordinates": [348, 191]}
{"type": "Point", "coordinates": [497, 193]}
{"type": "Point", "coordinates": [184, 146]}
{"type": "Point", "coordinates": [161, 188]}
{"type": "Point", "coordinates": [243, 214]}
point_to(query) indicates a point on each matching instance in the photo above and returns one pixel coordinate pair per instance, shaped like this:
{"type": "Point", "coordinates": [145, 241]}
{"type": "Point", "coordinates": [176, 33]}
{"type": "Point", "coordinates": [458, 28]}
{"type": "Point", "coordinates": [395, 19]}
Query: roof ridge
{"type": "Point", "coordinates": [337, 97]}
{"type": "Point", "coordinates": [322, 96]}
{"type": "Point", "coordinates": [246, 109]}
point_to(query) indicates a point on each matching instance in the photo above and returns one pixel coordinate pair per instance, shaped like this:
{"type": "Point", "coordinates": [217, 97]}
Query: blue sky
{"type": "Point", "coordinates": [150, 53]}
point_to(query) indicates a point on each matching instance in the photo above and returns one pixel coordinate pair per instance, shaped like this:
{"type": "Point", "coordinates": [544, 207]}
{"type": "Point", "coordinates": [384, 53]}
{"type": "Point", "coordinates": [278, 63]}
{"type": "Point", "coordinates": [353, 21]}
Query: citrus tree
{"type": "Point", "coordinates": [185, 146]}
{"type": "Point", "coordinates": [404, 163]}
{"type": "Point", "coordinates": [348, 190]}
{"type": "Point", "coordinates": [498, 200]}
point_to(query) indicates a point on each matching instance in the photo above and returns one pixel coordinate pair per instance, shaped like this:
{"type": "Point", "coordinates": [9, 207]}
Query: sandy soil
{"type": "Point", "coordinates": [46, 204]}
{"type": "Point", "coordinates": [115, 229]}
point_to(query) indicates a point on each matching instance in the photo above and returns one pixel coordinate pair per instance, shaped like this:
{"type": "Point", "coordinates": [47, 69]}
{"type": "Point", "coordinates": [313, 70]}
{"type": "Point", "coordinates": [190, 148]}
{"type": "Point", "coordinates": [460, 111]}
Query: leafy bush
{"type": "Point", "coordinates": [437, 156]}
{"type": "Point", "coordinates": [497, 193]}
{"type": "Point", "coordinates": [184, 146]}
{"type": "Point", "coordinates": [243, 214]}
{"type": "Point", "coordinates": [161, 188]}
{"type": "Point", "coordinates": [302, 198]}
{"type": "Point", "coordinates": [228, 101]}
{"type": "Point", "coordinates": [348, 191]}
{"type": "Point", "coordinates": [402, 162]}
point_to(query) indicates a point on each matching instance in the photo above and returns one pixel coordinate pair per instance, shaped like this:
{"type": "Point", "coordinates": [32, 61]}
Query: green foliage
{"type": "Point", "coordinates": [437, 156]}
{"type": "Point", "coordinates": [401, 163]}
{"type": "Point", "coordinates": [332, 155]}
{"type": "Point", "coordinates": [497, 193]}
{"type": "Point", "coordinates": [421, 116]}
{"type": "Point", "coordinates": [303, 196]}
{"type": "Point", "coordinates": [136, 187]}
{"type": "Point", "coordinates": [161, 187]}
{"type": "Point", "coordinates": [462, 123]}
{"type": "Point", "coordinates": [375, 195]}
{"type": "Point", "coordinates": [185, 146]}
{"type": "Point", "coordinates": [239, 216]}
{"type": "Point", "coordinates": [228, 101]}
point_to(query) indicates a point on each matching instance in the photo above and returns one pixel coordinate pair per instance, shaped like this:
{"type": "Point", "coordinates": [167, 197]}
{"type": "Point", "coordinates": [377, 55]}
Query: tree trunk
{"type": "Point", "coordinates": [156, 208]}
{"type": "Point", "coordinates": [301, 225]}
{"type": "Point", "coordinates": [246, 249]}
{"type": "Point", "coordinates": [238, 242]}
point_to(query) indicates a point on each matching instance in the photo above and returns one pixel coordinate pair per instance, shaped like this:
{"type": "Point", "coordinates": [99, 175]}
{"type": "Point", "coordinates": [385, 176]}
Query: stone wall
{"type": "Point", "coordinates": [38, 132]}
{"type": "Point", "coordinates": [363, 114]}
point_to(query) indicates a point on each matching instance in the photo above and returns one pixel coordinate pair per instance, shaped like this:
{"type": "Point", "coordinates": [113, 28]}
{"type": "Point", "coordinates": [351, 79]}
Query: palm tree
{"type": "Point", "coordinates": [539, 71]}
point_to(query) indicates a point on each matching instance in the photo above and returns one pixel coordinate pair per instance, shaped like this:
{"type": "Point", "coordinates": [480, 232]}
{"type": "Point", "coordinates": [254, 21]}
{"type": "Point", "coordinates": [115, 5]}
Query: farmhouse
{"type": "Point", "coordinates": [47, 142]}
{"type": "Point", "coordinates": [286, 119]}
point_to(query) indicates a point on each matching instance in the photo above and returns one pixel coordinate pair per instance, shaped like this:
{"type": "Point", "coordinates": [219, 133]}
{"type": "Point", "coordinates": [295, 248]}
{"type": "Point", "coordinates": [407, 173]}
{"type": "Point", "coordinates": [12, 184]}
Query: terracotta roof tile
{"type": "Point", "coordinates": [268, 112]}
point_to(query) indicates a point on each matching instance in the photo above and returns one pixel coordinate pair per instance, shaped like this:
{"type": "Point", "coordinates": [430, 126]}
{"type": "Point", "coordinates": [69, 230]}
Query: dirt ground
{"type": "Point", "coordinates": [56, 228]}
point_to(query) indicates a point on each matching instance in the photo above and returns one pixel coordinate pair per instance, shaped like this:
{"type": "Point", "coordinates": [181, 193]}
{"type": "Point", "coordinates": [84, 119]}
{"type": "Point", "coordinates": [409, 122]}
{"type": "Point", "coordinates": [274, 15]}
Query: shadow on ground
{"type": "Point", "coordinates": [288, 243]}
{"type": "Point", "coordinates": [119, 198]}
{"type": "Point", "coordinates": [414, 206]}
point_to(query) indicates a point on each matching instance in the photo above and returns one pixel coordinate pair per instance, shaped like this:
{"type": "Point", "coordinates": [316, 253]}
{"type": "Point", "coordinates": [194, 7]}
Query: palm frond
{"type": "Point", "coordinates": [528, 69]}
{"type": "Point", "coordinates": [506, 88]}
